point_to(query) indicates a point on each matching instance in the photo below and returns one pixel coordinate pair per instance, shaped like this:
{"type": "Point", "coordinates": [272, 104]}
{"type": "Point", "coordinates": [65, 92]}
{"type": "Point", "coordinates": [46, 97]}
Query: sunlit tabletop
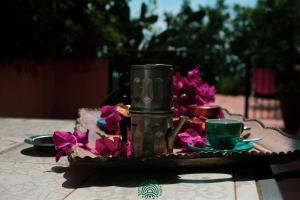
{"type": "Point", "coordinates": [26, 174]}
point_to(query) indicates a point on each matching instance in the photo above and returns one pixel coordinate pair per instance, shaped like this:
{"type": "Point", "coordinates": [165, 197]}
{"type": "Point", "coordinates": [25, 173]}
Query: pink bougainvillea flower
{"type": "Point", "coordinates": [191, 136]}
{"type": "Point", "coordinates": [64, 141]}
{"type": "Point", "coordinates": [191, 90]}
{"type": "Point", "coordinates": [206, 93]}
{"type": "Point", "coordinates": [107, 110]}
{"type": "Point", "coordinates": [106, 146]}
{"type": "Point", "coordinates": [83, 140]}
{"type": "Point", "coordinates": [178, 83]}
{"type": "Point", "coordinates": [112, 118]}
{"type": "Point", "coordinates": [193, 78]}
{"type": "Point", "coordinates": [82, 137]}
{"type": "Point", "coordinates": [190, 86]}
{"type": "Point", "coordinates": [195, 73]}
{"type": "Point", "coordinates": [182, 110]}
{"type": "Point", "coordinates": [115, 147]}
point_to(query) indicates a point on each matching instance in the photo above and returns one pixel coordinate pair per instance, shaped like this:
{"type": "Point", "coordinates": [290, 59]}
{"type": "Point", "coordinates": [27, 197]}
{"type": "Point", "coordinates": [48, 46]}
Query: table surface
{"type": "Point", "coordinates": [27, 174]}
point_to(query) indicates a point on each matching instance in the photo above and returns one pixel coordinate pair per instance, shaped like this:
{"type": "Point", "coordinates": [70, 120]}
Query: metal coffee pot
{"type": "Point", "coordinates": [151, 110]}
{"type": "Point", "coordinates": [151, 88]}
{"type": "Point", "coordinates": [153, 134]}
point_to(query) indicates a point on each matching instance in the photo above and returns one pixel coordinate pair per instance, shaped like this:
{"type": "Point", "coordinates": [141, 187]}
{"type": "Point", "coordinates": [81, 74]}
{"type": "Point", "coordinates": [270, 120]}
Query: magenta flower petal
{"type": "Point", "coordinates": [62, 139]}
{"type": "Point", "coordinates": [183, 110]}
{"type": "Point", "coordinates": [191, 90]}
{"type": "Point", "coordinates": [112, 118]}
{"type": "Point", "coordinates": [107, 110]}
{"type": "Point", "coordinates": [101, 148]}
{"type": "Point", "coordinates": [105, 146]}
{"type": "Point", "coordinates": [115, 147]}
{"type": "Point", "coordinates": [195, 73]}
{"type": "Point", "coordinates": [199, 100]}
{"type": "Point", "coordinates": [82, 137]}
{"type": "Point", "coordinates": [113, 122]}
{"type": "Point", "coordinates": [206, 93]}
{"type": "Point", "coordinates": [91, 149]}
{"type": "Point", "coordinates": [191, 136]}
{"type": "Point", "coordinates": [178, 83]}
{"type": "Point", "coordinates": [126, 148]}
{"type": "Point", "coordinates": [59, 154]}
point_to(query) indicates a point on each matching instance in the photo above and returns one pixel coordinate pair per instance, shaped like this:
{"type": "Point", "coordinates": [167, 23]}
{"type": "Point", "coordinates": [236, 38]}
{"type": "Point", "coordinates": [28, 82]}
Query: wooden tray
{"type": "Point", "coordinates": [276, 147]}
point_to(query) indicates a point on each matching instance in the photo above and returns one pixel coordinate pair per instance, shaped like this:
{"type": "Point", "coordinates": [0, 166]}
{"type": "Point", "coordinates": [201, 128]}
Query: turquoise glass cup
{"type": "Point", "coordinates": [223, 133]}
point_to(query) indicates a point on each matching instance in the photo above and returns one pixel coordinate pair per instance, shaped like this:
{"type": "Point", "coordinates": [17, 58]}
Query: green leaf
{"type": "Point", "coordinates": [150, 20]}
{"type": "Point", "coordinates": [143, 11]}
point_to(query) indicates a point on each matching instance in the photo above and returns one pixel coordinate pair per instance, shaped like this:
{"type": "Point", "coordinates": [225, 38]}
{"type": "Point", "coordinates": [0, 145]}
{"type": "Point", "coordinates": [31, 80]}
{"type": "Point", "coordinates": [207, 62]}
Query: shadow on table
{"type": "Point", "coordinates": [32, 151]}
{"type": "Point", "coordinates": [101, 178]}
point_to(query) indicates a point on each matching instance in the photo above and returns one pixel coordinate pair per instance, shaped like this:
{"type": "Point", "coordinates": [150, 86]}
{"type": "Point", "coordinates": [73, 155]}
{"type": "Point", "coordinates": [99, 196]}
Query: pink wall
{"type": "Point", "coordinates": [58, 90]}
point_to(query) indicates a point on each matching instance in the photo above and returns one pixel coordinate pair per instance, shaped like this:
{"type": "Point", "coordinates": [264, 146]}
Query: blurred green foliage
{"type": "Point", "coordinates": [53, 28]}
{"type": "Point", "coordinates": [270, 33]}
{"type": "Point", "coordinates": [70, 28]}
{"type": "Point", "coordinates": [223, 40]}
{"type": "Point", "coordinates": [217, 37]}
{"type": "Point", "coordinates": [196, 37]}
